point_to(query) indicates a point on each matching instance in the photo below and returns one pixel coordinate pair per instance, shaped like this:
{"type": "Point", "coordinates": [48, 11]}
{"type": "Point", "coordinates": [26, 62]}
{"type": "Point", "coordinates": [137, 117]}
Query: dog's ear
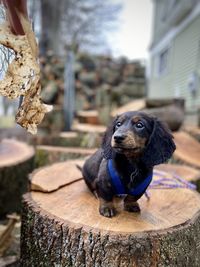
{"type": "Point", "coordinates": [106, 142]}
{"type": "Point", "coordinates": [160, 146]}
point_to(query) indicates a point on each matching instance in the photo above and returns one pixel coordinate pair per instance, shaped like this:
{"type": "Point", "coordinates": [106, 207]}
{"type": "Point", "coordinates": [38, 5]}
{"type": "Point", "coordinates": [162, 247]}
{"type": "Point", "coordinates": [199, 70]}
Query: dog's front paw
{"type": "Point", "coordinates": [132, 207]}
{"type": "Point", "coordinates": [107, 211]}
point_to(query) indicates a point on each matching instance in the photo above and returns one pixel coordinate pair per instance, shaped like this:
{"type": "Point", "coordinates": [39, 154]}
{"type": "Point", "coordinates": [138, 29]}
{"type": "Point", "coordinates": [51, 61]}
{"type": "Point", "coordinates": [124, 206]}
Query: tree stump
{"type": "Point", "coordinates": [64, 227]}
{"type": "Point", "coordinates": [61, 139]}
{"type": "Point", "coordinates": [16, 162]}
{"type": "Point", "coordinates": [46, 155]}
{"type": "Point", "coordinates": [187, 149]}
{"type": "Point", "coordinates": [88, 128]}
{"type": "Point", "coordinates": [88, 116]}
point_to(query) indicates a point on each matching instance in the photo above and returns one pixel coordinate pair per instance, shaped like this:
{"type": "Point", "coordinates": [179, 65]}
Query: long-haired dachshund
{"type": "Point", "coordinates": [131, 146]}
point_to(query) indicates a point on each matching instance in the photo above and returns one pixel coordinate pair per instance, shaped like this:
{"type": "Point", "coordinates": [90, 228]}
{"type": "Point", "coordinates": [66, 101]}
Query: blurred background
{"type": "Point", "coordinates": [97, 56]}
{"type": "Point", "coordinates": [100, 58]}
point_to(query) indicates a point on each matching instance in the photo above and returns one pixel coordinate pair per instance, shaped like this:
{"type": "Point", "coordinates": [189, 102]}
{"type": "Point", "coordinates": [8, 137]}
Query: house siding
{"type": "Point", "coordinates": [184, 58]}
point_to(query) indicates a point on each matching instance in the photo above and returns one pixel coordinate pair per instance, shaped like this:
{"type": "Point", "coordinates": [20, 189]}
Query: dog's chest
{"type": "Point", "coordinates": [128, 178]}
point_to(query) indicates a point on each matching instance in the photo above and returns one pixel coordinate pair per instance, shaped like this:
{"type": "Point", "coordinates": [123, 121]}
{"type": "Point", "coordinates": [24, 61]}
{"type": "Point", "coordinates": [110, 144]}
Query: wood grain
{"type": "Point", "coordinates": [64, 227]}
{"type": "Point", "coordinates": [13, 152]}
{"type": "Point", "coordinates": [187, 149]}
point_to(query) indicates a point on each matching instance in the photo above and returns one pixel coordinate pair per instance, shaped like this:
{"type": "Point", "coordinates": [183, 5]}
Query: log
{"type": "Point", "coordinates": [88, 128]}
{"type": "Point", "coordinates": [61, 139]}
{"type": "Point", "coordinates": [88, 116]}
{"type": "Point", "coordinates": [138, 104]}
{"type": "Point", "coordinates": [187, 149]}
{"type": "Point", "coordinates": [173, 115]}
{"type": "Point", "coordinates": [46, 155]}
{"type": "Point", "coordinates": [193, 130]}
{"type": "Point", "coordinates": [64, 228]}
{"type": "Point", "coordinates": [160, 102]}
{"type": "Point", "coordinates": [16, 161]}
{"type": "Point", "coordinates": [67, 139]}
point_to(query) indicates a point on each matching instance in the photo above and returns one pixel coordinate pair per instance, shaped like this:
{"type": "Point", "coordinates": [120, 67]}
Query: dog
{"type": "Point", "coordinates": [132, 145]}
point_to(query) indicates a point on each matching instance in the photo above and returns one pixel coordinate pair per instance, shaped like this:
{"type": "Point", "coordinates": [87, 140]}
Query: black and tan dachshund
{"type": "Point", "coordinates": [131, 146]}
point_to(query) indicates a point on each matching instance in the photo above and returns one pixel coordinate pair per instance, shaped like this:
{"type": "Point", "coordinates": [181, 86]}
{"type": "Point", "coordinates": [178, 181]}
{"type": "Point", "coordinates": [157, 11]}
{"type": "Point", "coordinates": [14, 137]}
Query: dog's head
{"type": "Point", "coordinates": [135, 134]}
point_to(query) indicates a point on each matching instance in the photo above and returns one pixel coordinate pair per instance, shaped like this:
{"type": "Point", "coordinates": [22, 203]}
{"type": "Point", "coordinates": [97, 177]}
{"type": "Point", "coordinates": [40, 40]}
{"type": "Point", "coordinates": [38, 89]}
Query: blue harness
{"type": "Point", "coordinates": [119, 187]}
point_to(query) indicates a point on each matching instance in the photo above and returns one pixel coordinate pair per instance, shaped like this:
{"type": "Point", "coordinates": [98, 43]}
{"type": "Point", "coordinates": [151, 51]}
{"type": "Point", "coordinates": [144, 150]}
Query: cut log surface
{"type": "Point", "coordinates": [187, 149]}
{"type": "Point", "coordinates": [42, 181]}
{"type": "Point", "coordinates": [16, 161]}
{"type": "Point", "coordinates": [13, 152]}
{"type": "Point", "coordinates": [193, 130]}
{"type": "Point", "coordinates": [88, 128]}
{"type": "Point", "coordinates": [69, 135]}
{"type": "Point", "coordinates": [88, 116]}
{"type": "Point", "coordinates": [133, 105]}
{"type": "Point", "coordinates": [64, 228]}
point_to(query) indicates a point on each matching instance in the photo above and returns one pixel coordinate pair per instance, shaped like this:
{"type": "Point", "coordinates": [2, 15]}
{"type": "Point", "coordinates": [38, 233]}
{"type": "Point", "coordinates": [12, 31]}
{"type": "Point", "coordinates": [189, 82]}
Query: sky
{"type": "Point", "coordinates": [133, 37]}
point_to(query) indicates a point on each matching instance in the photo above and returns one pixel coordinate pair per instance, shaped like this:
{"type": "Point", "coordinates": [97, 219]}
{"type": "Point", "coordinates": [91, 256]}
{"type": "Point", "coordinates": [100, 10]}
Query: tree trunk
{"type": "Point", "coordinates": [64, 228]}
{"type": "Point", "coordinates": [51, 19]}
{"type": "Point", "coordinates": [16, 161]}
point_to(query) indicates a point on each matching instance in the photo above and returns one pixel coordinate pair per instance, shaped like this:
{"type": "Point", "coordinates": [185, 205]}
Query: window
{"type": "Point", "coordinates": [163, 62]}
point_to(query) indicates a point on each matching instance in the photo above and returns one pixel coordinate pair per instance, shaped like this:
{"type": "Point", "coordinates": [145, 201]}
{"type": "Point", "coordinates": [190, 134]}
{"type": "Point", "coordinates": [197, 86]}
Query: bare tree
{"type": "Point", "coordinates": [75, 23]}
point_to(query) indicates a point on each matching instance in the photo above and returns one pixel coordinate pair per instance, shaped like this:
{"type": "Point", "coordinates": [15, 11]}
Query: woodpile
{"type": "Point", "coordinates": [100, 84]}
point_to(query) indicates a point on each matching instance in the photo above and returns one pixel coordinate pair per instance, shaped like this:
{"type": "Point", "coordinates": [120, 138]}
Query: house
{"type": "Point", "coordinates": [175, 51]}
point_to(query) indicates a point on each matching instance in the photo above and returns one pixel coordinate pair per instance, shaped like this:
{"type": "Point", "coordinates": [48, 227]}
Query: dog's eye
{"type": "Point", "coordinates": [139, 125]}
{"type": "Point", "coordinates": [118, 124]}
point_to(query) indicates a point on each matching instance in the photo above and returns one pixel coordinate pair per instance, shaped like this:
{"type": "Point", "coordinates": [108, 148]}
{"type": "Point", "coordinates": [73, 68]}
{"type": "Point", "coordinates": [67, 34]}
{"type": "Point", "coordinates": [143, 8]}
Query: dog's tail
{"type": "Point", "coordinates": [79, 168]}
{"type": "Point", "coordinates": [88, 184]}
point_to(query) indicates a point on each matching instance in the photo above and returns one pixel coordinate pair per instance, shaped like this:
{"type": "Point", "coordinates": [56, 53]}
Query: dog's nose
{"type": "Point", "coordinates": [119, 138]}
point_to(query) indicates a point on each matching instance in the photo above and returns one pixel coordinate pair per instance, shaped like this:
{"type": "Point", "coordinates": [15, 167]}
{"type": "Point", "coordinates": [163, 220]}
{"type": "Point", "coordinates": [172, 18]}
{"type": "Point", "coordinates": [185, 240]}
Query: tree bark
{"type": "Point", "coordinates": [46, 155]}
{"type": "Point", "coordinates": [64, 228]}
{"type": "Point", "coordinates": [51, 13]}
{"type": "Point", "coordinates": [16, 161]}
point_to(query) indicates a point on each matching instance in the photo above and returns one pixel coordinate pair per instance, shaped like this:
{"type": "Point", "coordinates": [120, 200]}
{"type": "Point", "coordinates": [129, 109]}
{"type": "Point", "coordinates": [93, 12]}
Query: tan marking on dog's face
{"type": "Point", "coordinates": [112, 142]}
{"type": "Point", "coordinates": [132, 140]}
{"type": "Point", "coordinates": [135, 119]}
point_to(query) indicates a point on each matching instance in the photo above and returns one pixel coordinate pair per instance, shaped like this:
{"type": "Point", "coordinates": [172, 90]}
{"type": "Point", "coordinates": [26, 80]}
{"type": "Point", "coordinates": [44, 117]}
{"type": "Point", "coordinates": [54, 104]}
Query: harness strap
{"type": "Point", "coordinates": [115, 178]}
{"type": "Point", "coordinates": [119, 187]}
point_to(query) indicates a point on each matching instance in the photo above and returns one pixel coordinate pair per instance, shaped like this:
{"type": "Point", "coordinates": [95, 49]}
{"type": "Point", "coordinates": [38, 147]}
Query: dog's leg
{"type": "Point", "coordinates": [130, 204]}
{"type": "Point", "coordinates": [106, 208]}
